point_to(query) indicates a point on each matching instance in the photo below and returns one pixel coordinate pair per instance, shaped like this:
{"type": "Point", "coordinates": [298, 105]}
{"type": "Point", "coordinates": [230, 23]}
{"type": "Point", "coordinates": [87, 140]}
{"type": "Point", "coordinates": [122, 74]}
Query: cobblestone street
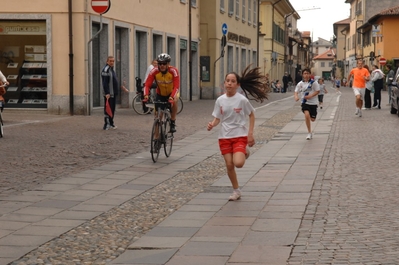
{"type": "Point", "coordinates": [330, 200]}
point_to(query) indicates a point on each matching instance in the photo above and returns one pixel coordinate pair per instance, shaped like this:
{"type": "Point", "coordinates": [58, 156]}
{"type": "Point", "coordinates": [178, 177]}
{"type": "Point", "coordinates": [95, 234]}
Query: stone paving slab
{"type": "Point", "coordinates": [268, 172]}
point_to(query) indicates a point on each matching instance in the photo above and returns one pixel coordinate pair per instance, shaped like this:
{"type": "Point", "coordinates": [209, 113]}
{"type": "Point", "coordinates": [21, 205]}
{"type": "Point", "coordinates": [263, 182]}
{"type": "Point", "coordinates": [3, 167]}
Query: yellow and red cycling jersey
{"type": "Point", "coordinates": [167, 84]}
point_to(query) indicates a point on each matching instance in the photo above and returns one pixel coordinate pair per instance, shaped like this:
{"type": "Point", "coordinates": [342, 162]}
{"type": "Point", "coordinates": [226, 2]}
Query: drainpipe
{"type": "Point", "coordinates": [70, 58]}
{"type": "Point", "coordinates": [190, 67]}
{"type": "Point", "coordinates": [89, 65]}
{"type": "Point", "coordinates": [257, 34]}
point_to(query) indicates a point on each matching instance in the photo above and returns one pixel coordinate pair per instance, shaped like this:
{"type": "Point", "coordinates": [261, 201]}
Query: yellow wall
{"type": "Point", "coordinates": [212, 19]}
{"type": "Point", "coordinates": [169, 17]}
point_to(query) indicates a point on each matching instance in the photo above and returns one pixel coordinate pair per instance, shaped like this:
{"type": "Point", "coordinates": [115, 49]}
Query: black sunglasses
{"type": "Point", "coordinates": [162, 63]}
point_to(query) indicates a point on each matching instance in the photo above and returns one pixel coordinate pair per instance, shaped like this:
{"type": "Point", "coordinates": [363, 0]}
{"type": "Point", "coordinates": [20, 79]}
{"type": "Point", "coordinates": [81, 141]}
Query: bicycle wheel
{"type": "Point", "coordinates": [168, 138]}
{"type": "Point", "coordinates": [138, 106]}
{"type": "Point", "coordinates": [179, 105]}
{"type": "Point", "coordinates": [155, 140]}
{"type": "Point", "coordinates": [1, 126]}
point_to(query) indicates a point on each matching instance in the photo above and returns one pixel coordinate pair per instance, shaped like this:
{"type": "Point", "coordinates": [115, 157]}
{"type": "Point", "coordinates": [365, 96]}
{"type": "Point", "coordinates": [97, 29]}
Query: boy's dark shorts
{"type": "Point", "coordinates": [320, 98]}
{"type": "Point", "coordinates": [311, 108]}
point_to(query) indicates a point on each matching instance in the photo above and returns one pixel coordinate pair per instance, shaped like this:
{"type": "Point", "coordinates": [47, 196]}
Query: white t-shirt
{"type": "Point", "coordinates": [233, 113]}
{"type": "Point", "coordinates": [2, 77]}
{"type": "Point", "coordinates": [148, 72]}
{"type": "Point", "coordinates": [303, 87]}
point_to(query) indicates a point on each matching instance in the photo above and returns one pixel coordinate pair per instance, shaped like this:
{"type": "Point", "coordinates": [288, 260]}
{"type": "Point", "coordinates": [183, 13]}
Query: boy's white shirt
{"type": "Point", "coordinates": [303, 87]}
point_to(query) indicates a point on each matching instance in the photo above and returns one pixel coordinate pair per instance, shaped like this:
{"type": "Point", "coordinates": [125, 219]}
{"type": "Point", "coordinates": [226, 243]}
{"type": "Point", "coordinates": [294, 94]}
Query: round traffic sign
{"type": "Point", "coordinates": [383, 61]}
{"type": "Point", "coordinates": [100, 6]}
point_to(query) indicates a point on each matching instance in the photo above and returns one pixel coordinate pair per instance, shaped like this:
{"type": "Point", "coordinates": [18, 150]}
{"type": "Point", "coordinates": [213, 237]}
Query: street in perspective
{"type": "Point", "coordinates": [73, 193]}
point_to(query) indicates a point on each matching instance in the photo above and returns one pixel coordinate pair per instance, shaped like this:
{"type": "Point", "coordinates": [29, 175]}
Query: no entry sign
{"type": "Point", "coordinates": [383, 61]}
{"type": "Point", "coordinates": [101, 6]}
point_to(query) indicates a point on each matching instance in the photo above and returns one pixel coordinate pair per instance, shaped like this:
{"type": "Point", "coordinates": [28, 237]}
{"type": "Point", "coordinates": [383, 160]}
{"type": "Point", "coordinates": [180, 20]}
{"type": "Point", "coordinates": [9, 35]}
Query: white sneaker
{"type": "Point", "coordinates": [248, 152]}
{"type": "Point", "coordinates": [357, 111]}
{"type": "Point", "coordinates": [113, 127]}
{"type": "Point", "coordinates": [235, 196]}
{"type": "Point", "coordinates": [360, 113]}
{"type": "Point", "coordinates": [309, 136]}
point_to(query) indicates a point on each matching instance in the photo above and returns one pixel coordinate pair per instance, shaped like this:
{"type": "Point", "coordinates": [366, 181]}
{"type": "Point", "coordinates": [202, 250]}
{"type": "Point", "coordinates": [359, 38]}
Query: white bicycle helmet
{"type": "Point", "coordinates": [164, 57]}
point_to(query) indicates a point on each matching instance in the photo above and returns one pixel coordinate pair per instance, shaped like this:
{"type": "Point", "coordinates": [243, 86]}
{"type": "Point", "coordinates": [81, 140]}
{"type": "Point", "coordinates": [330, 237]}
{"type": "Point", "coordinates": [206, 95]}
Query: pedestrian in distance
{"type": "Point", "coordinates": [298, 77]}
{"type": "Point", "coordinates": [307, 90]}
{"type": "Point", "coordinates": [377, 77]}
{"type": "Point", "coordinates": [388, 81]}
{"type": "Point", "coordinates": [337, 85]}
{"type": "Point", "coordinates": [111, 91]}
{"type": "Point", "coordinates": [285, 82]}
{"type": "Point", "coordinates": [344, 82]}
{"type": "Point", "coordinates": [367, 92]}
{"type": "Point", "coordinates": [360, 76]}
{"type": "Point", "coordinates": [323, 90]}
{"type": "Point", "coordinates": [232, 110]}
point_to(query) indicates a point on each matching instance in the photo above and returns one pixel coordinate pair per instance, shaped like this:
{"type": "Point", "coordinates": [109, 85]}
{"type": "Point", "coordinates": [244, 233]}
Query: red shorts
{"type": "Point", "coordinates": [233, 145]}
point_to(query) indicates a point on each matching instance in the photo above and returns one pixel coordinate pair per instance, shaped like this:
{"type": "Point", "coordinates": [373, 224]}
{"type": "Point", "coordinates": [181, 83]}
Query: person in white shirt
{"type": "Point", "coordinates": [153, 64]}
{"type": "Point", "coordinates": [309, 89]}
{"type": "Point", "coordinates": [377, 77]}
{"type": "Point", "coordinates": [231, 110]}
{"type": "Point", "coordinates": [3, 79]}
{"type": "Point", "coordinates": [3, 83]}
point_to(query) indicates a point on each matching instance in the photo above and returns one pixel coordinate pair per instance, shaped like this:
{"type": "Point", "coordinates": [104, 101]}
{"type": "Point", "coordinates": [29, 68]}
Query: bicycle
{"type": "Point", "coordinates": [160, 133]}
{"type": "Point", "coordinates": [1, 117]}
{"type": "Point", "coordinates": [142, 108]}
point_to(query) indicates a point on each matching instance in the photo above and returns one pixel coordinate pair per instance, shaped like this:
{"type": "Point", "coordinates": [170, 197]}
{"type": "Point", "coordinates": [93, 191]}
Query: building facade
{"type": "Point", "coordinates": [359, 39]}
{"type": "Point", "coordinates": [278, 52]}
{"type": "Point", "coordinates": [229, 41]}
{"type": "Point", "coordinates": [52, 52]}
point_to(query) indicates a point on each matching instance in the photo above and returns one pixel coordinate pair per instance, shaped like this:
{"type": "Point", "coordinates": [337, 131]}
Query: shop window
{"type": "Point", "coordinates": [23, 60]}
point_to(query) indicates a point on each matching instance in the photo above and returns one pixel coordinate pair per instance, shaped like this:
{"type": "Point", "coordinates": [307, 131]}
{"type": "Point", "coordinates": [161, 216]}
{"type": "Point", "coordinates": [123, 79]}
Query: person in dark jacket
{"type": "Point", "coordinates": [285, 82]}
{"type": "Point", "coordinates": [389, 80]}
{"type": "Point", "coordinates": [298, 77]}
{"type": "Point", "coordinates": [111, 91]}
{"type": "Point", "coordinates": [377, 76]}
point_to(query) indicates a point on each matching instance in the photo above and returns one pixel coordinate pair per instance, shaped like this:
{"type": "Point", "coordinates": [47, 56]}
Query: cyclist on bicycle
{"type": "Point", "coordinates": [168, 81]}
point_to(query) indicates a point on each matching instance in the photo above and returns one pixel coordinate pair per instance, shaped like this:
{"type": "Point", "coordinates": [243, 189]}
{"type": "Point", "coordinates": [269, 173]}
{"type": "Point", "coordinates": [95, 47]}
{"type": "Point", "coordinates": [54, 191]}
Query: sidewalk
{"type": "Point", "coordinates": [261, 228]}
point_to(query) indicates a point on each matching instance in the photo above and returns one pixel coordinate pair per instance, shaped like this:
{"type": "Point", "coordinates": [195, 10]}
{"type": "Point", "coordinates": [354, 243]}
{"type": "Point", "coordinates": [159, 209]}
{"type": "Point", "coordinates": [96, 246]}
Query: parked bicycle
{"type": "Point", "coordinates": [1, 117]}
{"type": "Point", "coordinates": [161, 133]}
{"type": "Point", "coordinates": [145, 108]}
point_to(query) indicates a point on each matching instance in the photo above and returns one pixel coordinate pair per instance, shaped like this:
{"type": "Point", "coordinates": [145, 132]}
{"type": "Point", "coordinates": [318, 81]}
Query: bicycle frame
{"type": "Point", "coordinates": [161, 133]}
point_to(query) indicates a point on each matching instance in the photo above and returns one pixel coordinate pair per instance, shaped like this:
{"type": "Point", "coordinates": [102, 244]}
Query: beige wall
{"type": "Point", "coordinates": [170, 18]}
{"type": "Point", "coordinates": [212, 19]}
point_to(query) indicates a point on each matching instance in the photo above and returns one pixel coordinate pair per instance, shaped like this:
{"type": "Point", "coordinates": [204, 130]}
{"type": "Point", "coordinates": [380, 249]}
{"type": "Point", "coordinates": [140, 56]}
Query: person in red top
{"type": "Point", "coordinates": [360, 76]}
{"type": "Point", "coordinates": [168, 82]}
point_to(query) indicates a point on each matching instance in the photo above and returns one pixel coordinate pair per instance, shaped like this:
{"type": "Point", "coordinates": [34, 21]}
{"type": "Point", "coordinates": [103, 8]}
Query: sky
{"type": "Point", "coordinates": [320, 21]}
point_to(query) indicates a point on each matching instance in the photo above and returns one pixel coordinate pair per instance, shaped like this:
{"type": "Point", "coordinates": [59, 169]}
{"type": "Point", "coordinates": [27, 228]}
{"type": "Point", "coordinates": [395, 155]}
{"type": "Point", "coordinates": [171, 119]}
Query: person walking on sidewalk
{"type": "Point", "coordinates": [285, 82]}
{"type": "Point", "coordinates": [368, 91]}
{"type": "Point", "coordinates": [309, 89]}
{"type": "Point", "coordinates": [231, 111]}
{"type": "Point", "coordinates": [389, 80]}
{"type": "Point", "coordinates": [337, 85]}
{"type": "Point", "coordinates": [323, 90]}
{"type": "Point", "coordinates": [111, 91]}
{"type": "Point", "coordinates": [360, 76]}
{"type": "Point", "coordinates": [377, 76]}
